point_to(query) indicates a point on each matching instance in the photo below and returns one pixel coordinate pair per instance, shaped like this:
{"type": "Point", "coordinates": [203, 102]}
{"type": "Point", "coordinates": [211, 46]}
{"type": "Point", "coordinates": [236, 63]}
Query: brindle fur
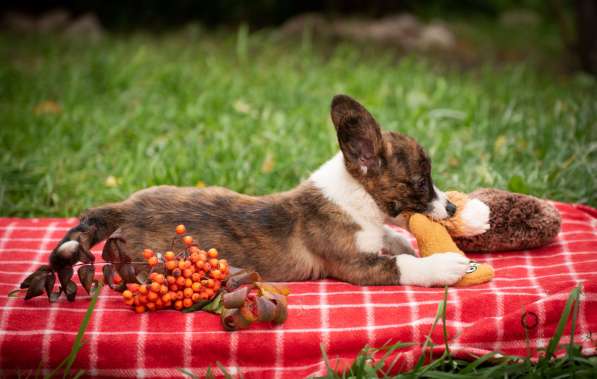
{"type": "Point", "coordinates": [295, 235]}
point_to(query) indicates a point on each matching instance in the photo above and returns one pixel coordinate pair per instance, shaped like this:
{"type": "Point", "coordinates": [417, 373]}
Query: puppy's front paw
{"type": "Point", "coordinates": [447, 268]}
{"type": "Point", "coordinates": [436, 270]}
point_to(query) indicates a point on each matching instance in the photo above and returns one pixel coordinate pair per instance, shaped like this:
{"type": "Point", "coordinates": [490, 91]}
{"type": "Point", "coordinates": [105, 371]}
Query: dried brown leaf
{"type": "Point", "coordinates": [86, 275]}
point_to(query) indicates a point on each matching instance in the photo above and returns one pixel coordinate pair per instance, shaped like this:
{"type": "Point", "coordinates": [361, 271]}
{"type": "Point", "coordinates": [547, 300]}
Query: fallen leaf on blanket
{"type": "Point", "coordinates": [47, 107]}
{"type": "Point", "coordinates": [268, 164]}
{"type": "Point", "coordinates": [49, 285]}
{"type": "Point", "coordinates": [86, 275]}
{"type": "Point", "coordinates": [111, 181]}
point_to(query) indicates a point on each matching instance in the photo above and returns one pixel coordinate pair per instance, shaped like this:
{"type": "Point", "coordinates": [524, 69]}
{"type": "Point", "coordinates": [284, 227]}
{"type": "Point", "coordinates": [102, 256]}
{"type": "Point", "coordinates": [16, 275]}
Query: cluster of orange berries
{"type": "Point", "coordinates": [190, 276]}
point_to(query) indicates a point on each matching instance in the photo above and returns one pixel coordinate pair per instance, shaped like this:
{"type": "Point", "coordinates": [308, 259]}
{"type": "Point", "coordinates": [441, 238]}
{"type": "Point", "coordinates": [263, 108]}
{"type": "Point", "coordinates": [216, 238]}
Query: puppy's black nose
{"type": "Point", "coordinates": [451, 209]}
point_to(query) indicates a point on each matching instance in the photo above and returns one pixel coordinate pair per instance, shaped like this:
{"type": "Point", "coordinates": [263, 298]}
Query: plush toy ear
{"type": "Point", "coordinates": [358, 134]}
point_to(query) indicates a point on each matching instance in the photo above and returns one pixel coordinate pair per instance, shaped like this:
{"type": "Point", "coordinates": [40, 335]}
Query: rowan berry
{"type": "Point", "coordinates": [133, 287]}
{"type": "Point", "coordinates": [163, 289]}
{"type": "Point", "coordinates": [209, 292]}
{"type": "Point", "coordinates": [169, 256]}
{"type": "Point", "coordinates": [142, 299]}
{"type": "Point", "coordinates": [170, 279]}
{"type": "Point", "coordinates": [143, 289]}
{"type": "Point", "coordinates": [187, 302]}
{"type": "Point", "coordinates": [139, 309]}
{"type": "Point", "coordinates": [180, 281]}
{"type": "Point", "coordinates": [196, 286]}
{"type": "Point", "coordinates": [159, 303]}
{"type": "Point", "coordinates": [129, 301]}
{"type": "Point", "coordinates": [152, 296]}
{"type": "Point", "coordinates": [196, 277]}
{"type": "Point", "coordinates": [127, 294]}
{"type": "Point", "coordinates": [188, 292]}
{"type": "Point", "coordinates": [148, 253]}
{"type": "Point", "coordinates": [166, 298]}
{"type": "Point", "coordinates": [182, 264]}
{"type": "Point", "coordinates": [194, 257]}
{"type": "Point", "coordinates": [176, 272]}
{"type": "Point", "coordinates": [179, 295]}
{"type": "Point", "coordinates": [188, 240]}
{"type": "Point", "coordinates": [216, 274]}
{"type": "Point", "coordinates": [178, 305]}
{"type": "Point", "coordinates": [202, 256]}
{"type": "Point", "coordinates": [155, 287]}
{"type": "Point", "coordinates": [194, 250]}
{"type": "Point", "coordinates": [188, 283]}
{"type": "Point", "coordinates": [217, 286]}
{"type": "Point", "coordinates": [152, 261]}
{"type": "Point", "coordinates": [196, 297]}
{"type": "Point", "coordinates": [159, 278]}
{"type": "Point", "coordinates": [210, 283]}
{"type": "Point", "coordinates": [212, 253]}
{"type": "Point", "coordinates": [187, 272]}
{"type": "Point", "coordinates": [171, 265]}
{"type": "Point", "coordinates": [180, 229]}
{"type": "Point", "coordinates": [150, 306]}
{"type": "Point", "coordinates": [173, 287]}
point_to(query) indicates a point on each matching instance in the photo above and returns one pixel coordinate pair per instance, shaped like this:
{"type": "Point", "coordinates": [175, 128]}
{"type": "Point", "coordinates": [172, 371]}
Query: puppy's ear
{"type": "Point", "coordinates": [359, 135]}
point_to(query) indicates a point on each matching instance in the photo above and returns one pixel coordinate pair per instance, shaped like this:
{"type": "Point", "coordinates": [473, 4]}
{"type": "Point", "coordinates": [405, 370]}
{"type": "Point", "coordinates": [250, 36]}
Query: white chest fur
{"type": "Point", "coordinates": [342, 189]}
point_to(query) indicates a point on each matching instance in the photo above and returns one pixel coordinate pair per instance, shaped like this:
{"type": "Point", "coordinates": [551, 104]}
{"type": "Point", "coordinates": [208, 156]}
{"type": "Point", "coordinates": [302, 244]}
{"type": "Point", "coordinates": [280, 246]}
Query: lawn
{"type": "Point", "coordinates": [83, 123]}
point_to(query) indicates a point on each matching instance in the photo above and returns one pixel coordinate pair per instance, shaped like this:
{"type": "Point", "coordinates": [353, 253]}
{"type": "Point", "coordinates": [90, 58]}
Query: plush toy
{"type": "Point", "coordinates": [433, 237]}
{"type": "Point", "coordinates": [486, 220]}
{"type": "Point", "coordinates": [516, 222]}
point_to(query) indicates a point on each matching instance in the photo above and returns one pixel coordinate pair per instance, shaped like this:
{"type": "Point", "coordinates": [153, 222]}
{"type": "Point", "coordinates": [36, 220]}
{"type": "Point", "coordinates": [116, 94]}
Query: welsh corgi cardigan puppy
{"type": "Point", "coordinates": [329, 226]}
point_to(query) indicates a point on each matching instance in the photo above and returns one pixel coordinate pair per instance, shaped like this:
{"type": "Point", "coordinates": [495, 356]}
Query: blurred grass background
{"type": "Point", "coordinates": [83, 123]}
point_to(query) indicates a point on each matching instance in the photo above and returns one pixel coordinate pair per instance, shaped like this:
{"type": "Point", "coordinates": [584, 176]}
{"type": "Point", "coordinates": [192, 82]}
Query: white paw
{"type": "Point", "coordinates": [436, 270]}
{"type": "Point", "coordinates": [67, 249]}
{"type": "Point", "coordinates": [476, 217]}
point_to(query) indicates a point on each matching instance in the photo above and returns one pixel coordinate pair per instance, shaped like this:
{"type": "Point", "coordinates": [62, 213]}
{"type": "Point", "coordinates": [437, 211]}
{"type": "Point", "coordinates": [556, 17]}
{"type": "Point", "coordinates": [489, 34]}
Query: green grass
{"type": "Point", "coordinates": [186, 107]}
{"type": "Point", "coordinates": [572, 364]}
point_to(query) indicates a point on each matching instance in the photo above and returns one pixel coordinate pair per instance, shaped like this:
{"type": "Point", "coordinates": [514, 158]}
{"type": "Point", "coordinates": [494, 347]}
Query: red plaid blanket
{"type": "Point", "coordinates": [341, 317]}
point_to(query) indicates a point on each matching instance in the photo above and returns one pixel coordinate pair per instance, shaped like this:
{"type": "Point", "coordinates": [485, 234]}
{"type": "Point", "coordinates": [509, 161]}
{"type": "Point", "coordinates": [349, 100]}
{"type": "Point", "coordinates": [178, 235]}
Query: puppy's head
{"type": "Point", "coordinates": [392, 167]}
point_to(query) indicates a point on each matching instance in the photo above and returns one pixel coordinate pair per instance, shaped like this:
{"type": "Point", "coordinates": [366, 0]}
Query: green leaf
{"type": "Point", "coordinates": [573, 298]}
{"type": "Point", "coordinates": [188, 373]}
{"type": "Point", "coordinates": [15, 293]}
{"type": "Point", "coordinates": [214, 306]}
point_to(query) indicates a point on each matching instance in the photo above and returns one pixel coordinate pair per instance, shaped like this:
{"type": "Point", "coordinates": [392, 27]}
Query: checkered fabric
{"type": "Point", "coordinates": [341, 317]}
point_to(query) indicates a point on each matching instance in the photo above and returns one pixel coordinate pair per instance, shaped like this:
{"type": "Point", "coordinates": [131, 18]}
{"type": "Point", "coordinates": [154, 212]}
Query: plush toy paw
{"type": "Point", "coordinates": [475, 216]}
{"type": "Point", "coordinates": [476, 273]}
